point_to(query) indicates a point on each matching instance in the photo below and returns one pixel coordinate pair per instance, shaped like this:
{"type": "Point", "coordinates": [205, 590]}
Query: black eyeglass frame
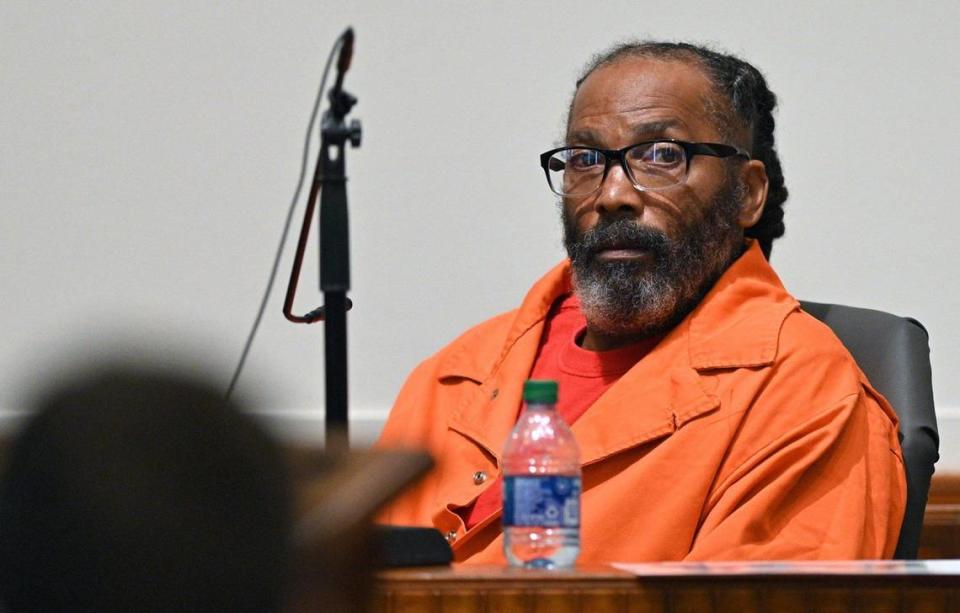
{"type": "Point", "coordinates": [690, 150]}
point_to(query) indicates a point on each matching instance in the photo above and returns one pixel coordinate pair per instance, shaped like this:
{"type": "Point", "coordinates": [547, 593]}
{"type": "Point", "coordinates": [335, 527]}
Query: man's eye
{"type": "Point", "coordinates": [663, 154]}
{"type": "Point", "coordinates": [657, 154]}
{"type": "Point", "coordinates": [583, 159]}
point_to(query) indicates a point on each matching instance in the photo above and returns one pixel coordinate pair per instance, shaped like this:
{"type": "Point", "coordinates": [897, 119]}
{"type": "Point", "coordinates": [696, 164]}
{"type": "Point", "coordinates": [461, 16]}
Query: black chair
{"type": "Point", "coordinates": [894, 354]}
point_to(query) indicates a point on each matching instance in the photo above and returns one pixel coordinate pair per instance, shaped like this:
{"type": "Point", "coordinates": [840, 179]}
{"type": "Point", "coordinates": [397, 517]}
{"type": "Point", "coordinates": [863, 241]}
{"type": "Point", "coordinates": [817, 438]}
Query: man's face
{"type": "Point", "coordinates": [642, 260]}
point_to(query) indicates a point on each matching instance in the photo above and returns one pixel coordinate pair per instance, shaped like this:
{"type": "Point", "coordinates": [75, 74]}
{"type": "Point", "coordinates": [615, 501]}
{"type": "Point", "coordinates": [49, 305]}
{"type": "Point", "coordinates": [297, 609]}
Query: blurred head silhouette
{"type": "Point", "coordinates": [129, 490]}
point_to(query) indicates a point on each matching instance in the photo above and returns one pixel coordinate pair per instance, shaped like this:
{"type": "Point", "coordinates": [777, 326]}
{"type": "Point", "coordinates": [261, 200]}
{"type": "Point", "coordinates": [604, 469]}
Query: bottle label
{"type": "Point", "coordinates": [550, 501]}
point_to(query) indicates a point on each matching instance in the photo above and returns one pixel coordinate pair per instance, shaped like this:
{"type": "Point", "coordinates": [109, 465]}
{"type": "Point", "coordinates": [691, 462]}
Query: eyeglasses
{"type": "Point", "coordinates": [651, 165]}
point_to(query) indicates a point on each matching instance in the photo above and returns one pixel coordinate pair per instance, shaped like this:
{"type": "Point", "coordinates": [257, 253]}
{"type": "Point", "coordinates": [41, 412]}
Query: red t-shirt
{"type": "Point", "coordinates": [582, 376]}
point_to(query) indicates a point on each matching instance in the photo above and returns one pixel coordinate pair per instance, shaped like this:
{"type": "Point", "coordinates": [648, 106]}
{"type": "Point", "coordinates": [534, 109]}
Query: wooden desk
{"type": "Point", "coordinates": [941, 523]}
{"type": "Point", "coordinates": [925, 586]}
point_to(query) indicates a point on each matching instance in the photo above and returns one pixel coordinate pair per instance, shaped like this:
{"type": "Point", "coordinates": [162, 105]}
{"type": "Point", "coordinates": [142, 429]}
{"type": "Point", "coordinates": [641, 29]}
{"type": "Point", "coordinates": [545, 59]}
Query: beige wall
{"type": "Point", "coordinates": [148, 152]}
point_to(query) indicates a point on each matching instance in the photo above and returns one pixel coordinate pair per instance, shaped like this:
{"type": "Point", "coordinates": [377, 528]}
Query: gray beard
{"type": "Point", "coordinates": [629, 298]}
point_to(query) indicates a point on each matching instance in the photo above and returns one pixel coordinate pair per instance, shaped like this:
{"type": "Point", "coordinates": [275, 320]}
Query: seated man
{"type": "Point", "coordinates": [716, 420]}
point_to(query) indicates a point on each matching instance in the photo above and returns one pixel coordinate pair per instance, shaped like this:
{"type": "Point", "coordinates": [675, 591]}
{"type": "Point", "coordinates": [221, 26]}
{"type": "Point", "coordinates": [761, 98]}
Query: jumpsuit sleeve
{"type": "Point", "coordinates": [407, 424]}
{"type": "Point", "coordinates": [410, 425]}
{"type": "Point", "coordinates": [831, 487]}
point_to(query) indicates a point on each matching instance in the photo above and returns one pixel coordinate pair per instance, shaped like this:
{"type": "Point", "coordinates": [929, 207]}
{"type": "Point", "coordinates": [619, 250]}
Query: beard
{"type": "Point", "coordinates": [648, 297]}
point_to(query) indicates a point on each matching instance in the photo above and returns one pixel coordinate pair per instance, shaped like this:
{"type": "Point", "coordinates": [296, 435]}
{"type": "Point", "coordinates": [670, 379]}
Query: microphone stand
{"type": "Point", "coordinates": [330, 181]}
{"type": "Point", "coordinates": [398, 545]}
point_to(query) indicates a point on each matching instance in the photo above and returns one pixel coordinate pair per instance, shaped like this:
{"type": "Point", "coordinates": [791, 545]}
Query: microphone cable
{"type": "Point", "coordinates": [286, 226]}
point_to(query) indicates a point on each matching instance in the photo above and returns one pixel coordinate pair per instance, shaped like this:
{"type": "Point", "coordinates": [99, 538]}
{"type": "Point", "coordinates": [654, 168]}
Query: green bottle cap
{"type": "Point", "coordinates": [540, 392]}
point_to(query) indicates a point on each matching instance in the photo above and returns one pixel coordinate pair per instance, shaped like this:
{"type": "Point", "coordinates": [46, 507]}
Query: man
{"type": "Point", "coordinates": [716, 420]}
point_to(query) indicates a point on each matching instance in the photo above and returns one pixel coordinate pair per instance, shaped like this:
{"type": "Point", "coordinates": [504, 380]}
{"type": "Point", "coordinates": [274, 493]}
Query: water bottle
{"type": "Point", "coordinates": [541, 485]}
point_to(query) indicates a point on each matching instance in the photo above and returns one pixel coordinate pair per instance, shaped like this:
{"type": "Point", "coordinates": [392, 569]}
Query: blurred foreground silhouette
{"type": "Point", "coordinates": [135, 491]}
{"type": "Point", "coordinates": [131, 490]}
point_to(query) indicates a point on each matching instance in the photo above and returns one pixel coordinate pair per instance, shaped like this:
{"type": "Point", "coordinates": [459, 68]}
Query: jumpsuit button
{"type": "Point", "coordinates": [479, 477]}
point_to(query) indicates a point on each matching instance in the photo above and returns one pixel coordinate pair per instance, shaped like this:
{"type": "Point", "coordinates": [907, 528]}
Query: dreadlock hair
{"type": "Point", "coordinates": [750, 111]}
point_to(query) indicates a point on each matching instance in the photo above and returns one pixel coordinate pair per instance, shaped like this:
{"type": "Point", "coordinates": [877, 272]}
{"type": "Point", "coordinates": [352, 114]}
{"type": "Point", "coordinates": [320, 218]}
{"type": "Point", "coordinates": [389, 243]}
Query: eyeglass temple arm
{"type": "Point", "coordinates": [718, 150]}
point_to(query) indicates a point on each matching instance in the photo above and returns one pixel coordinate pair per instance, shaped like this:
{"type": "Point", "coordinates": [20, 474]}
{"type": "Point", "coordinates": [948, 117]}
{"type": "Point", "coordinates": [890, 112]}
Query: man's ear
{"type": "Point", "coordinates": [753, 176]}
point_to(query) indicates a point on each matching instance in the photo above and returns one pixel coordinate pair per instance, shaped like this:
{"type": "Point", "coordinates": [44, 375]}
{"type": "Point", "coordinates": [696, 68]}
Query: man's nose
{"type": "Point", "coordinates": [618, 194]}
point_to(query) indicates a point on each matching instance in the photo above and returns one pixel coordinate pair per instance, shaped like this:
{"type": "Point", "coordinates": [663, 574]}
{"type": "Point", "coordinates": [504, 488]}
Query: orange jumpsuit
{"type": "Point", "coordinates": [748, 433]}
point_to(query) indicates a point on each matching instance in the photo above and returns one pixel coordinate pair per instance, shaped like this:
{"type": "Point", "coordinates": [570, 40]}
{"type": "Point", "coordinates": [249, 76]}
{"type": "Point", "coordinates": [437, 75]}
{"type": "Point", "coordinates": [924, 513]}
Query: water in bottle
{"type": "Point", "coordinates": [541, 485]}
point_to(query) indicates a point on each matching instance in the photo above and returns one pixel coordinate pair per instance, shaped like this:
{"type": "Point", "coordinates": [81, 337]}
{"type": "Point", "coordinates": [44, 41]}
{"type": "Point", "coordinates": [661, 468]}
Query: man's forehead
{"type": "Point", "coordinates": [673, 89]}
{"type": "Point", "coordinates": [639, 130]}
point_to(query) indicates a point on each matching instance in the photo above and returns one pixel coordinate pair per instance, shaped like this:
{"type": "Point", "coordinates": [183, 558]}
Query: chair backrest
{"type": "Point", "coordinates": [894, 354]}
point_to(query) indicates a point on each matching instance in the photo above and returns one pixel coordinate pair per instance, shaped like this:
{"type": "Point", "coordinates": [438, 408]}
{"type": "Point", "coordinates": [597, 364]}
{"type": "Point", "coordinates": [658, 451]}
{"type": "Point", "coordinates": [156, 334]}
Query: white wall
{"type": "Point", "coordinates": [148, 152]}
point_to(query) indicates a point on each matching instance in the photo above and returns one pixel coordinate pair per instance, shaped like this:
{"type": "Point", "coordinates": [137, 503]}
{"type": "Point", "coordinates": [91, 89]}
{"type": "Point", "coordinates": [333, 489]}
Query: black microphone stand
{"type": "Point", "coordinates": [398, 545]}
{"type": "Point", "coordinates": [330, 181]}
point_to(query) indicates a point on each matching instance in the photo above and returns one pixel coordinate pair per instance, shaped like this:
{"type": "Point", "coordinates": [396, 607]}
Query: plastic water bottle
{"type": "Point", "coordinates": [541, 485]}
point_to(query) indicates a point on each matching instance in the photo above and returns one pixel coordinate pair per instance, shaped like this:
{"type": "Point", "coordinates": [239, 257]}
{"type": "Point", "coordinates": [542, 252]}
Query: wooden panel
{"type": "Point", "coordinates": [412, 601]}
{"type": "Point", "coordinates": [917, 600]}
{"type": "Point", "coordinates": [646, 599]}
{"type": "Point", "coordinates": [462, 601]}
{"type": "Point", "coordinates": [879, 600]}
{"type": "Point", "coordinates": [556, 601]}
{"type": "Point", "coordinates": [739, 599]}
{"type": "Point", "coordinates": [784, 600]}
{"type": "Point", "coordinates": [830, 600]}
{"type": "Point", "coordinates": [940, 537]}
{"type": "Point", "coordinates": [603, 600]}
{"type": "Point", "coordinates": [690, 598]}
{"type": "Point", "coordinates": [944, 489]}
{"type": "Point", "coordinates": [508, 601]}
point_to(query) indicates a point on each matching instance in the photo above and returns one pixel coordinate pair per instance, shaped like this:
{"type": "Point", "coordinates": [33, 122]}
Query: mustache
{"type": "Point", "coordinates": [618, 234]}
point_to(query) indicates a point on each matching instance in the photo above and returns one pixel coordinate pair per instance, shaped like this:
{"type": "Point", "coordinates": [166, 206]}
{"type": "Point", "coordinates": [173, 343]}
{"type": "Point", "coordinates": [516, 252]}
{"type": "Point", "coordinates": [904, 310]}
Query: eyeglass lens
{"type": "Point", "coordinates": [579, 171]}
